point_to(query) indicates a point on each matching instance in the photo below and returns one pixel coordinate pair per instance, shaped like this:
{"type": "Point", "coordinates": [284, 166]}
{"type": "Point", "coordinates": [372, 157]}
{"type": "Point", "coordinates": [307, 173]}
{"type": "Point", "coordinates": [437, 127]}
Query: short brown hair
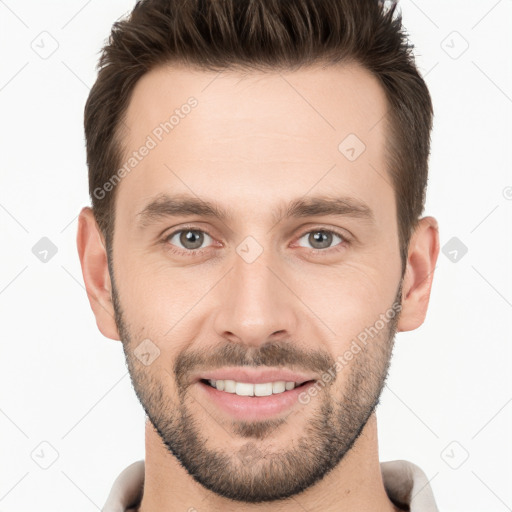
{"type": "Point", "coordinates": [264, 35]}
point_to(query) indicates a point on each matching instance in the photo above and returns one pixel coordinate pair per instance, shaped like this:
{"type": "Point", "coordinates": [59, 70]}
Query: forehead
{"type": "Point", "coordinates": [255, 138]}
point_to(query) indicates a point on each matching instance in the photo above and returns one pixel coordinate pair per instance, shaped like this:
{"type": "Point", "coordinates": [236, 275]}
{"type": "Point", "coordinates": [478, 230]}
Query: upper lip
{"type": "Point", "coordinates": [255, 376]}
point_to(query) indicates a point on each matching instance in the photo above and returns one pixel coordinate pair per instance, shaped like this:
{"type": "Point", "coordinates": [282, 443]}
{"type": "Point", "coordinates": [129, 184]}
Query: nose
{"type": "Point", "coordinates": [256, 302]}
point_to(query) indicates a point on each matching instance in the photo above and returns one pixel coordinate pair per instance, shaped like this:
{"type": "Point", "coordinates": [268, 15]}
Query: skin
{"type": "Point", "coordinates": [253, 144]}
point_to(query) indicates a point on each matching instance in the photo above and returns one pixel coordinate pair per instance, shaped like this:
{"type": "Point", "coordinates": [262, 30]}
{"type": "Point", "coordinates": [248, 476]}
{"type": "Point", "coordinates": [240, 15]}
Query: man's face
{"type": "Point", "coordinates": [257, 289]}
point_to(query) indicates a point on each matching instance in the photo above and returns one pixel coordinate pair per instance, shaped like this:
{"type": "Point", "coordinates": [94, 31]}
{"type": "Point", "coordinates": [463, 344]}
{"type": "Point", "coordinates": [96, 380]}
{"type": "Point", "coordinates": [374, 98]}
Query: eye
{"type": "Point", "coordinates": [187, 239]}
{"type": "Point", "coordinates": [321, 239]}
{"type": "Point", "coordinates": [190, 241]}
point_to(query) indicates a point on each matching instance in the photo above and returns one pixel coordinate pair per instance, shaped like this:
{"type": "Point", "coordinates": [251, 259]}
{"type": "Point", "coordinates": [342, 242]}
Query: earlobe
{"type": "Point", "coordinates": [93, 259]}
{"type": "Point", "coordinates": [419, 274]}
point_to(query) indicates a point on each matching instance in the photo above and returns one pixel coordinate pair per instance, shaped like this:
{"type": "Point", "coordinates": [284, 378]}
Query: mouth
{"type": "Point", "coordinates": [254, 389]}
{"type": "Point", "coordinates": [253, 401]}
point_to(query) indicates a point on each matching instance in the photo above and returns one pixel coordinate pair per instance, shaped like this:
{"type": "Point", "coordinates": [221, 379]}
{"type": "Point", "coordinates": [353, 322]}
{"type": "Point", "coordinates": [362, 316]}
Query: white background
{"type": "Point", "coordinates": [449, 394]}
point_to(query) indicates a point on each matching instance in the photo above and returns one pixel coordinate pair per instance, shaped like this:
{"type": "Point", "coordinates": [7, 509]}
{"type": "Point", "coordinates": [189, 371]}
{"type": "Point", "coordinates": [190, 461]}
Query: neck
{"type": "Point", "coordinates": [355, 484]}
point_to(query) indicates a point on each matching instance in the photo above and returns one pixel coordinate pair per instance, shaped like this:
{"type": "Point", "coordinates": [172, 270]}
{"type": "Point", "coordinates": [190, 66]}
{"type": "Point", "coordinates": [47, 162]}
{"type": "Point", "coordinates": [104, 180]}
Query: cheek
{"type": "Point", "coordinates": [349, 298]}
{"type": "Point", "coordinates": [153, 294]}
{"type": "Point", "coordinates": [167, 306]}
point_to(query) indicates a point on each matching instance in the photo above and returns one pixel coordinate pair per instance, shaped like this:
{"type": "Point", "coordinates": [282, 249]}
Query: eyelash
{"type": "Point", "coordinates": [314, 252]}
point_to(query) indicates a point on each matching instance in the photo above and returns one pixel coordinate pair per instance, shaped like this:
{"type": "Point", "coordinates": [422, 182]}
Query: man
{"type": "Point", "coordinates": [258, 171]}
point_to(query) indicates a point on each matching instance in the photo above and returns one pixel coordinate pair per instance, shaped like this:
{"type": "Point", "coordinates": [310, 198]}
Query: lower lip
{"type": "Point", "coordinates": [253, 408]}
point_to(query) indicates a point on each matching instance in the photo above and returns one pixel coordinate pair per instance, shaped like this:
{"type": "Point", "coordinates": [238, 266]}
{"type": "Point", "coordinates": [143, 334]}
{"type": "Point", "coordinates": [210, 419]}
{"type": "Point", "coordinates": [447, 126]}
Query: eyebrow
{"type": "Point", "coordinates": [165, 206]}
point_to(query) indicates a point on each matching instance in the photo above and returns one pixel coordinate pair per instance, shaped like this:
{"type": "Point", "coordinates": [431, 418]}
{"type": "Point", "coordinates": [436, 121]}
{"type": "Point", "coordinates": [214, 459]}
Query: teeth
{"type": "Point", "coordinates": [247, 389]}
{"type": "Point", "coordinates": [244, 389]}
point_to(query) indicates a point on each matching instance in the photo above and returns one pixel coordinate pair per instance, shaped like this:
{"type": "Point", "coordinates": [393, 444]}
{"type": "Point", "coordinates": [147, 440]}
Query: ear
{"type": "Point", "coordinates": [93, 259]}
{"type": "Point", "coordinates": [419, 274]}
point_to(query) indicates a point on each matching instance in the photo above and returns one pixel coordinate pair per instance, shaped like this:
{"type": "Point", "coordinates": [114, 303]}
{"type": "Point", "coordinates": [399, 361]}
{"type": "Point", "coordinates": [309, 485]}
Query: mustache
{"type": "Point", "coordinates": [273, 354]}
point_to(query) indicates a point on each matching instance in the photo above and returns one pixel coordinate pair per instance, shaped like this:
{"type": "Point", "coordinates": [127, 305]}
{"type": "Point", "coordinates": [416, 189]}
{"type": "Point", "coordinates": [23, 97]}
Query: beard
{"type": "Point", "coordinates": [250, 472]}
